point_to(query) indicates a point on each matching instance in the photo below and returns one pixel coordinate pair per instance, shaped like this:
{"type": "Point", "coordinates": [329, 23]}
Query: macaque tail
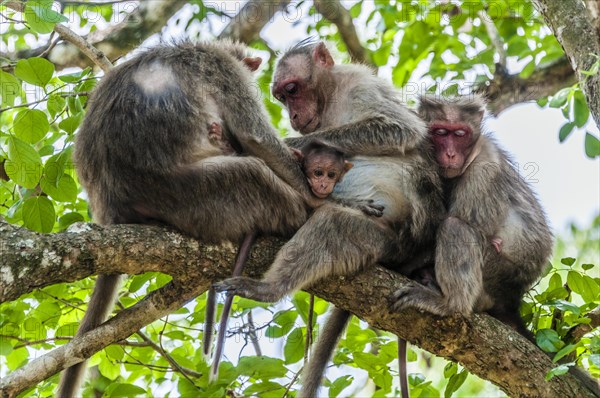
{"type": "Point", "coordinates": [323, 351]}
{"type": "Point", "coordinates": [99, 307]}
{"type": "Point", "coordinates": [240, 262]}
{"type": "Point", "coordinates": [209, 323]}
{"type": "Point", "coordinates": [402, 368]}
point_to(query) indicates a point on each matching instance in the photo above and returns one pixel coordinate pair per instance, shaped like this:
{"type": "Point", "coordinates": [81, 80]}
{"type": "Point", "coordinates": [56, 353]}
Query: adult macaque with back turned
{"type": "Point", "coordinates": [496, 241]}
{"type": "Point", "coordinates": [143, 154]}
{"type": "Point", "coordinates": [349, 107]}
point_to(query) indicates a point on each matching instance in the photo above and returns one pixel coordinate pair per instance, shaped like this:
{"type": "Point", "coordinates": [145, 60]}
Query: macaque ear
{"type": "Point", "coordinates": [252, 63]}
{"type": "Point", "coordinates": [322, 57]}
{"type": "Point", "coordinates": [347, 166]}
{"type": "Point", "coordinates": [297, 154]}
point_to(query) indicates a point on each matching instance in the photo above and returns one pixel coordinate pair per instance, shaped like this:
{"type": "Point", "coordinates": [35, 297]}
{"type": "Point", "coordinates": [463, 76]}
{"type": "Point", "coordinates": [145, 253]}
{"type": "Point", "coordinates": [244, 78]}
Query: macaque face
{"type": "Point", "coordinates": [453, 143]}
{"type": "Point", "coordinates": [292, 87]}
{"type": "Point", "coordinates": [300, 83]}
{"type": "Point", "coordinates": [323, 171]}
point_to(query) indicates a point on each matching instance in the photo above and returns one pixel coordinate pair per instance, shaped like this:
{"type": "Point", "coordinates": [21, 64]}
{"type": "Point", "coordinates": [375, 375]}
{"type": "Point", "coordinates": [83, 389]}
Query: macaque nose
{"type": "Point", "coordinates": [451, 155]}
{"type": "Point", "coordinates": [295, 116]}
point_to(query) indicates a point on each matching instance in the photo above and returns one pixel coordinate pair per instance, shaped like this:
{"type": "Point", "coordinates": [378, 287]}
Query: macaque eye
{"type": "Point", "coordinates": [319, 173]}
{"type": "Point", "coordinates": [331, 174]}
{"type": "Point", "coordinates": [460, 133]}
{"type": "Point", "coordinates": [291, 88]}
{"type": "Point", "coordinates": [279, 97]}
{"type": "Point", "coordinates": [440, 132]}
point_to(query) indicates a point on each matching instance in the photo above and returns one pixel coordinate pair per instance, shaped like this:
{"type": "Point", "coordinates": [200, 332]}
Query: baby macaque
{"type": "Point", "coordinates": [324, 166]}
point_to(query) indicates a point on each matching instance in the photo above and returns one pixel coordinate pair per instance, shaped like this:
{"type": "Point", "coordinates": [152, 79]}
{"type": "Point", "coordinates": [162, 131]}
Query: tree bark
{"type": "Point", "coordinates": [576, 28]}
{"type": "Point", "coordinates": [29, 260]}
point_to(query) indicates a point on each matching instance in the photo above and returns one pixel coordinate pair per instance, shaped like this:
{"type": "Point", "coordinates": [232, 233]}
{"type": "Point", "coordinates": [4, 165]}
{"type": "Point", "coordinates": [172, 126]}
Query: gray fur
{"type": "Point", "coordinates": [143, 155]}
{"type": "Point", "coordinates": [490, 199]}
{"type": "Point", "coordinates": [362, 115]}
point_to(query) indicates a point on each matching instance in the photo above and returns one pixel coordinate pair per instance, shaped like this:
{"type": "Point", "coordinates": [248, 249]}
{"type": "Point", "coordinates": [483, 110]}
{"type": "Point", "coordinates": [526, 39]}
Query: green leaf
{"type": "Point", "coordinates": [587, 267]}
{"type": "Point", "coordinates": [31, 125]}
{"type": "Point", "coordinates": [10, 88]}
{"type": "Point", "coordinates": [24, 165]}
{"type": "Point", "coordinates": [566, 350]}
{"type": "Point", "coordinates": [565, 131]}
{"type": "Point", "coordinates": [595, 360]}
{"type": "Point", "coordinates": [55, 104]}
{"type": "Point", "coordinates": [592, 146]}
{"type": "Point", "coordinates": [580, 109]}
{"type": "Point", "coordinates": [548, 340]}
{"type": "Point", "coordinates": [455, 382]}
{"type": "Point", "coordinates": [41, 17]}
{"type": "Point", "coordinates": [583, 285]}
{"type": "Point", "coordinates": [66, 191]}
{"type": "Point", "coordinates": [139, 280]}
{"type": "Point", "coordinates": [71, 123]}
{"type": "Point", "coordinates": [557, 371]}
{"type": "Point", "coordinates": [262, 389]}
{"type": "Point", "coordinates": [555, 282]}
{"type": "Point", "coordinates": [36, 71]}
{"type": "Point", "coordinates": [339, 384]}
{"type": "Point", "coordinates": [125, 390]}
{"type": "Point", "coordinates": [450, 370]}
{"type": "Point", "coordinates": [263, 368]}
{"type": "Point", "coordinates": [382, 54]}
{"type": "Point", "coordinates": [56, 165]}
{"type": "Point", "coordinates": [560, 98]}
{"type": "Point", "coordinates": [38, 214]}
{"type": "Point", "coordinates": [69, 218]}
{"type": "Point", "coordinates": [568, 261]}
{"type": "Point", "coordinates": [75, 77]}
{"type": "Point", "coordinates": [293, 351]}
{"type": "Point", "coordinates": [564, 306]}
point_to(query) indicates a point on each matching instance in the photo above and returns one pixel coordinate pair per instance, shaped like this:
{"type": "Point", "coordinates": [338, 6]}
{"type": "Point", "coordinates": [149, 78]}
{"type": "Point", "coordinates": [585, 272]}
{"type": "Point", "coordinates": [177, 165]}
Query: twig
{"type": "Point", "coordinates": [341, 18]}
{"type": "Point", "coordinates": [51, 46]}
{"type": "Point", "coordinates": [494, 36]}
{"type": "Point", "coordinates": [184, 371]}
{"type": "Point", "coordinates": [252, 334]}
{"type": "Point", "coordinates": [64, 95]}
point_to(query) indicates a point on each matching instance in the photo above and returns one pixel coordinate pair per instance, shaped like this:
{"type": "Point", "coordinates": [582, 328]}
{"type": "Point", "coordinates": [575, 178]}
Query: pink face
{"type": "Point", "coordinates": [301, 103]}
{"type": "Point", "coordinates": [452, 142]}
{"type": "Point", "coordinates": [323, 172]}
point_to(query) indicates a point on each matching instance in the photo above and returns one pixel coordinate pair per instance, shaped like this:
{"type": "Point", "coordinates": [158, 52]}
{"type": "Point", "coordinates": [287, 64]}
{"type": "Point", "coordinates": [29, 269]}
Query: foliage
{"type": "Point", "coordinates": [41, 109]}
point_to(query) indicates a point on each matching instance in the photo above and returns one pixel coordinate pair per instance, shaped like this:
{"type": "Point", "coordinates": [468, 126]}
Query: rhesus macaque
{"type": "Point", "coordinates": [324, 166]}
{"type": "Point", "coordinates": [216, 138]}
{"type": "Point", "coordinates": [349, 107]}
{"type": "Point", "coordinates": [495, 241]}
{"type": "Point", "coordinates": [143, 155]}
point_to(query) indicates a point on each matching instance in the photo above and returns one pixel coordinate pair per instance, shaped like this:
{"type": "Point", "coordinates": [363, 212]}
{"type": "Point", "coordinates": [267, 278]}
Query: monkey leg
{"type": "Point", "coordinates": [223, 198]}
{"type": "Point", "coordinates": [458, 270]}
{"type": "Point", "coordinates": [334, 241]}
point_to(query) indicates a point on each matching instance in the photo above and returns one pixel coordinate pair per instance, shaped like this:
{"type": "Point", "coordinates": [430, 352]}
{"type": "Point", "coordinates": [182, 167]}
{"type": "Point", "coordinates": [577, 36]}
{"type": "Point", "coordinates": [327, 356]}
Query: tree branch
{"type": "Point", "coordinates": [96, 56]}
{"type": "Point", "coordinates": [148, 17]}
{"type": "Point", "coordinates": [505, 90]}
{"type": "Point", "coordinates": [483, 345]}
{"type": "Point", "coordinates": [333, 11]}
{"type": "Point", "coordinates": [579, 34]}
{"type": "Point", "coordinates": [252, 18]}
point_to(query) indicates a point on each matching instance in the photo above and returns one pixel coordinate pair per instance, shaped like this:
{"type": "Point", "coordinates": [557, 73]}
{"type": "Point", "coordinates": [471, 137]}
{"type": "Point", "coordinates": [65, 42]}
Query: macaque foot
{"type": "Point", "coordinates": [367, 206]}
{"type": "Point", "coordinates": [249, 288]}
{"type": "Point", "coordinates": [371, 209]}
{"type": "Point", "coordinates": [418, 296]}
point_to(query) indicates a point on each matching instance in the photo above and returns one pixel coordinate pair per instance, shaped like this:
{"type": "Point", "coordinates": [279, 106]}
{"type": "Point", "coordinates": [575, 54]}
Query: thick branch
{"type": "Point", "coordinates": [333, 11]}
{"type": "Point", "coordinates": [251, 19]}
{"type": "Point", "coordinates": [507, 90]}
{"type": "Point", "coordinates": [483, 345]}
{"type": "Point", "coordinates": [577, 31]}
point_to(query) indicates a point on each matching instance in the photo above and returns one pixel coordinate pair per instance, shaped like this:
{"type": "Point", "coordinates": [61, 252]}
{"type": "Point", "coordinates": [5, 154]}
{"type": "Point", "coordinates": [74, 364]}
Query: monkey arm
{"type": "Point", "coordinates": [373, 136]}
